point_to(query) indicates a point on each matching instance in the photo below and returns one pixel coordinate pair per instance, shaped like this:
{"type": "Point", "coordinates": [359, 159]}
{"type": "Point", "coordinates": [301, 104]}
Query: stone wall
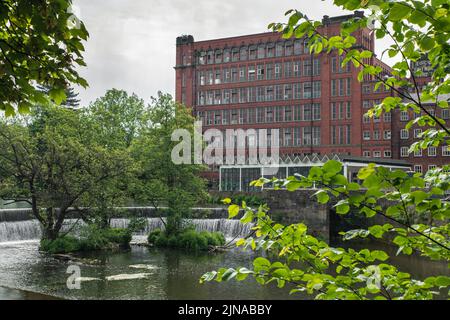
{"type": "Point", "coordinates": [293, 207]}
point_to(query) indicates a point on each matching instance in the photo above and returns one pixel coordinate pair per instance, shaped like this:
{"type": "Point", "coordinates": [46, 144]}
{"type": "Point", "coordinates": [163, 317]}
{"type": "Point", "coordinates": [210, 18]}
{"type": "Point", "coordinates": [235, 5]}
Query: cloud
{"type": "Point", "coordinates": [132, 42]}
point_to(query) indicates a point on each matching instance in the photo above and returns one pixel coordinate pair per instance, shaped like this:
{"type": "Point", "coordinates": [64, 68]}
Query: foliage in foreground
{"type": "Point", "coordinates": [188, 239]}
{"type": "Point", "coordinates": [41, 42]}
{"type": "Point", "coordinates": [338, 273]}
{"type": "Point", "coordinates": [90, 239]}
{"type": "Point", "coordinates": [413, 207]}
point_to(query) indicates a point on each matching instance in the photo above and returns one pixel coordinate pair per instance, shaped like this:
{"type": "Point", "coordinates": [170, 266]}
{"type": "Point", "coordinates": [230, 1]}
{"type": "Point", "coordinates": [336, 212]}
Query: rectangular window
{"type": "Point", "coordinates": [307, 112]}
{"type": "Point", "coordinates": [387, 153]}
{"type": "Point", "coordinates": [316, 111]}
{"type": "Point", "coordinates": [376, 135]}
{"type": "Point", "coordinates": [297, 113]}
{"type": "Point", "coordinates": [349, 134]}
{"type": "Point", "coordinates": [316, 136]}
{"type": "Point", "coordinates": [287, 92]}
{"type": "Point", "coordinates": [297, 69]}
{"type": "Point", "coordinates": [387, 116]}
{"type": "Point", "coordinates": [269, 71]}
{"type": "Point", "coordinates": [341, 135]}
{"type": "Point", "coordinates": [297, 91]}
{"type": "Point", "coordinates": [387, 135]}
{"type": "Point", "coordinates": [333, 111]}
{"type": "Point", "coordinates": [316, 67]}
{"type": "Point", "coordinates": [279, 49]}
{"type": "Point", "coordinates": [243, 54]}
{"type": "Point", "coordinates": [251, 73]}
{"type": "Point", "coordinates": [289, 48]}
{"type": "Point", "coordinates": [269, 93]}
{"type": "Point", "coordinates": [333, 61]}
{"type": "Point", "coordinates": [288, 113]}
{"type": "Point", "coordinates": [366, 154]}
{"type": "Point", "coordinates": [260, 72]}
{"type": "Point", "coordinates": [417, 133]}
{"type": "Point", "coordinates": [404, 116]}
{"type": "Point", "coordinates": [366, 135]}
{"type": "Point", "coordinates": [269, 114]}
{"type": "Point", "coordinates": [341, 87]}
{"type": "Point", "coordinates": [307, 139]}
{"type": "Point", "coordinates": [307, 68]}
{"type": "Point", "coordinates": [446, 151]}
{"type": "Point", "coordinates": [418, 153]}
{"type": "Point", "coordinates": [317, 89]}
{"type": "Point", "coordinates": [235, 54]}
{"type": "Point", "coordinates": [226, 55]}
{"type": "Point", "coordinates": [277, 70]}
{"type": "Point", "coordinates": [404, 152]}
{"type": "Point", "coordinates": [307, 90]}
{"type": "Point", "coordinates": [260, 116]}
{"type": "Point", "coordinates": [278, 92]}
{"type": "Point", "coordinates": [261, 51]}
{"type": "Point", "coordinates": [333, 135]}
{"type": "Point", "coordinates": [252, 53]}
{"type": "Point", "coordinates": [287, 137]}
{"type": "Point", "coordinates": [348, 110]}
{"type": "Point", "coordinates": [349, 86]}
{"type": "Point", "coordinates": [404, 134]}
{"type": "Point", "coordinates": [288, 69]}
{"type": "Point", "coordinates": [377, 154]}
{"type": "Point", "coordinates": [333, 88]}
{"type": "Point", "coordinates": [432, 151]}
{"type": "Point", "coordinates": [242, 74]}
{"type": "Point", "coordinates": [297, 47]}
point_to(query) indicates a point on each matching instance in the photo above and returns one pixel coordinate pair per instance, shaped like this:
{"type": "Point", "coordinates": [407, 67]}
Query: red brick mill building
{"type": "Point", "coordinates": [262, 81]}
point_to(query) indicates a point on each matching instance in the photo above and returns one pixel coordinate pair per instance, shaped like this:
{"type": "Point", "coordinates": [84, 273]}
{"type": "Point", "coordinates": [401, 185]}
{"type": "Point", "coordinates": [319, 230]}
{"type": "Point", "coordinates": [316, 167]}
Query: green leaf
{"type": "Point", "coordinates": [332, 167]}
{"type": "Point", "coordinates": [342, 207]}
{"type": "Point", "coordinates": [322, 196]}
{"type": "Point", "coordinates": [233, 211]}
{"type": "Point", "coordinates": [398, 12]}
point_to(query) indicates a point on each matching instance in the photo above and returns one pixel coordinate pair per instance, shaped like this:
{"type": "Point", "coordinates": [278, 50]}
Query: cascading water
{"type": "Point", "coordinates": [31, 229]}
{"type": "Point", "coordinates": [20, 230]}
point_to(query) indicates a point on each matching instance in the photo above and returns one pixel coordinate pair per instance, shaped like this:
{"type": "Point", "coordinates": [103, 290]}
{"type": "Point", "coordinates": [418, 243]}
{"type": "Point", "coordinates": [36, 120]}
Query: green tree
{"type": "Point", "coordinates": [117, 119]}
{"type": "Point", "coordinates": [160, 181]}
{"type": "Point", "coordinates": [39, 44]}
{"type": "Point", "coordinates": [52, 161]}
{"type": "Point", "coordinates": [413, 207]}
{"type": "Point", "coordinates": [71, 100]}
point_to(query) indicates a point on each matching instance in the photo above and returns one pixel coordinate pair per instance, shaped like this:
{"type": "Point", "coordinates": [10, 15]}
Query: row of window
{"type": "Point", "coordinates": [376, 135]}
{"type": "Point", "coordinates": [443, 114]}
{"type": "Point", "coordinates": [341, 135]}
{"type": "Point", "coordinates": [377, 154]}
{"type": "Point", "coordinates": [268, 71]}
{"type": "Point", "coordinates": [432, 152]}
{"type": "Point", "coordinates": [306, 112]}
{"type": "Point", "coordinates": [404, 133]}
{"type": "Point", "coordinates": [387, 118]}
{"type": "Point", "coordinates": [418, 167]}
{"type": "Point", "coordinates": [341, 87]}
{"type": "Point", "coordinates": [287, 137]}
{"type": "Point", "coordinates": [302, 90]}
{"type": "Point", "coordinates": [252, 52]}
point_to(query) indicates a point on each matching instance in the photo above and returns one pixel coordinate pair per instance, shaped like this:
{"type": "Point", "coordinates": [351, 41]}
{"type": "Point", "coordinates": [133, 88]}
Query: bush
{"type": "Point", "coordinates": [91, 238]}
{"type": "Point", "coordinates": [187, 239]}
{"type": "Point", "coordinates": [118, 236]}
{"type": "Point", "coordinates": [153, 236]}
{"type": "Point", "coordinates": [61, 245]}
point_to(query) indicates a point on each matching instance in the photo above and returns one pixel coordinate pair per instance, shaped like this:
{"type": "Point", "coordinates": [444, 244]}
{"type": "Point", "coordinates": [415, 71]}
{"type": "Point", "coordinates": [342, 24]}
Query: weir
{"type": "Point", "coordinates": [31, 229]}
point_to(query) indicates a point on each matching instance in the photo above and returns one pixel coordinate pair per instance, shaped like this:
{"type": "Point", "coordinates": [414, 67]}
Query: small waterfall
{"type": "Point", "coordinates": [31, 229]}
{"type": "Point", "coordinates": [20, 230]}
{"type": "Point", "coordinates": [230, 228]}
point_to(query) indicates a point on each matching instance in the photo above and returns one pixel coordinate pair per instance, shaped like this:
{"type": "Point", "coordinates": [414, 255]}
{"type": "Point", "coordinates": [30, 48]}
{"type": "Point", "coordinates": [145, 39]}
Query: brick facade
{"type": "Point", "coordinates": [263, 81]}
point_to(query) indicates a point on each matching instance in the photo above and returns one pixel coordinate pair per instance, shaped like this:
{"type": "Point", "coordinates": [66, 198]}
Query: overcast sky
{"type": "Point", "coordinates": [132, 42]}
